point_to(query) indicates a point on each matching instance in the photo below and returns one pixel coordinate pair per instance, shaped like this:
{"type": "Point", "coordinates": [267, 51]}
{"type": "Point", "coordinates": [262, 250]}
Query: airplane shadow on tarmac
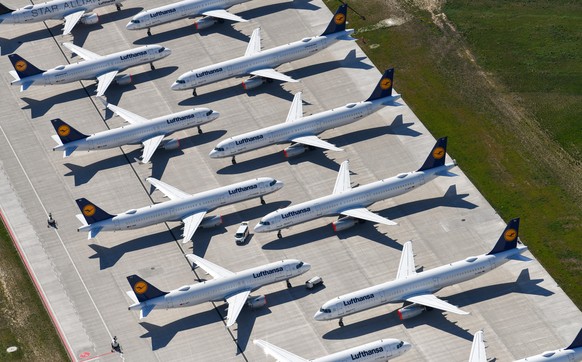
{"type": "Point", "coordinates": [162, 335]}
{"type": "Point", "coordinates": [368, 230]}
{"type": "Point", "coordinates": [109, 256]}
{"type": "Point", "coordinates": [39, 108]}
{"type": "Point", "coordinates": [80, 32]}
{"type": "Point", "coordinates": [84, 174]}
{"type": "Point", "coordinates": [436, 318]}
{"type": "Point", "coordinates": [398, 127]}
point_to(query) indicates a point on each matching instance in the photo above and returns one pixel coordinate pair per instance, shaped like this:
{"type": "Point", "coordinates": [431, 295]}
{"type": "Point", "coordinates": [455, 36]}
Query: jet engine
{"type": "Point", "coordinates": [123, 79]}
{"type": "Point", "coordinates": [89, 19]}
{"type": "Point", "coordinates": [171, 144]}
{"type": "Point", "coordinates": [252, 83]}
{"type": "Point", "coordinates": [204, 23]}
{"type": "Point", "coordinates": [295, 150]}
{"type": "Point", "coordinates": [211, 221]}
{"type": "Point", "coordinates": [343, 224]}
{"type": "Point", "coordinates": [256, 302]}
{"type": "Point", "coordinates": [410, 311]}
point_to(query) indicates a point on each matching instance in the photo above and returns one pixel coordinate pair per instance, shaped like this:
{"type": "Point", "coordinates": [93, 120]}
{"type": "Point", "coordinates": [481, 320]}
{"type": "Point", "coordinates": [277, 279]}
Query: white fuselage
{"type": "Point", "coordinates": [178, 209]}
{"type": "Point", "coordinates": [285, 132]}
{"type": "Point", "coordinates": [362, 196]}
{"type": "Point", "coordinates": [560, 355]}
{"type": "Point", "coordinates": [52, 10]}
{"type": "Point", "coordinates": [91, 69]}
{"type": "Point", "coordinates": [180, 10]}
{"type": "Point", "coordinates": [270, 58]}
{"type": "Point", "coordinates": [425, 282]}
{"type": "Point", "coordinates": [219, 289]}
{"type": "Point", "coordinates": [382, 350]}
{"type": "Point", "coordinates": [139, 132]}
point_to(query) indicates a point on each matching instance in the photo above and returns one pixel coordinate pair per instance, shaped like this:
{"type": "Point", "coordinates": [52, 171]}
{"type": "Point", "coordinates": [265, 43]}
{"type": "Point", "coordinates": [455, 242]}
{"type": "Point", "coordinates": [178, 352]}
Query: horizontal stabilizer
{"type": "Point", "coordinates": [81, 218]}
{"type": "Point", "coordinates": [24, 86]}
{"type": "Point", "coordinates": [57, 139]}
{"type": "Point", "coordinates": [519, 257]}
{"type": "Point", "coordinates": [93, 232]}
{"type": "Point", "coordinates": [69, 151]}
{"type": "Point", "coordinates": [132, 296]}
{"type": "Point", "coordinates": [145, 310]}
{"type": "Point", "coordinates": [14, 74]}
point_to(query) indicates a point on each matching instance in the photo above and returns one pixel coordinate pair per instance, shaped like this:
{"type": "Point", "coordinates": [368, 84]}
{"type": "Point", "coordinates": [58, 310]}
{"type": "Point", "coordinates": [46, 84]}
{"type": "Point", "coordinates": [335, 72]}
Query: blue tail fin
{"type": "Point", "coordinates": [338, 22]}
{"type": "Point", "coordinates": [65, 132]}
{"type": "Point", "coordinates": [436, 157]}
{"type": "Point", "coordinates": [23, 67]}
{"type": "Point", "coordinates": [4, 10]}
{"type": "Point", "coordinates": [142, 289]}
{"type": "Point", "coordinates": [577, 341]}
{"type": "Point", "coordinates": [384, 86]}
{"type": "Point", "coordinates": [508, 239]}
{"type": "Point", "coordinates": [90, 212]}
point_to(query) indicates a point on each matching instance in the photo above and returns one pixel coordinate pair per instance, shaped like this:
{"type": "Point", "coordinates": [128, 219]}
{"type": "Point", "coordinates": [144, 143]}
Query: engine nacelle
{"type": "Point", "coordinates": [204, 23]}
{"type": "Point", "coordinates": [171, 144]}
{"type": "Point", "coordinates": [211, 222]}
{"type": "Point", "coordinates": [257, 302]}
{"type": "Point", "coordinates": [123, 79]}
{"type": "Point", "coordinates": [89, 19]}
{"type": "Point", "coordinates": [343, 224]}
{"type": "Point", "coordinates": [295, 150]}
{"type": "Point", "coordinates": [252, 83]}
{"type": "Point", "coordinates": [410, 311]}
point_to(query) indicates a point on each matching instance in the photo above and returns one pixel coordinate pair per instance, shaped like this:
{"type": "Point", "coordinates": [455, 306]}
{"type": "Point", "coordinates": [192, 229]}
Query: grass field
{"type": "Point", "coordinates": [495, 139]}
{"type": "Point", "coordinates": [24, 322]}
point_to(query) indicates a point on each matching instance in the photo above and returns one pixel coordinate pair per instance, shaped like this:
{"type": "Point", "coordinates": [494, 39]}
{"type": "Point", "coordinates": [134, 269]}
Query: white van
{"type": "Point", "coordinates": [242, 233]}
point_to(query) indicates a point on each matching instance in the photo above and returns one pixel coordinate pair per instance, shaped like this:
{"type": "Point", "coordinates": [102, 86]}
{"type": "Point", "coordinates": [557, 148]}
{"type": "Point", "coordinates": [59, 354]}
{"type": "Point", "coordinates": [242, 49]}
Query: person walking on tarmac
{"type": "Point", "coordinates": [115, 346]}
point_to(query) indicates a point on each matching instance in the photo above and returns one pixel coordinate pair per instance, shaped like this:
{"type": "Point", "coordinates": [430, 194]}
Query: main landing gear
{"type": "Point", "coordinates": [279, 235]}
{"type": "Point", "coordinates": [341, 322]}
{"type": "Point", "coordinates": [233, 160]}
{"type": "Point", "coordinates": [149, 32]}
{"type": "Point", "coordinates": [194, 94]}
{"type": "Point", "coordinates": [263, 202]}
{"type": "Point", "coordinates": [118, 6]}
{"type": "Point", "coordinates": [199, 130]}
{"type": "Point", "coordinates": [289, 284]}
{"type": "Point", "coordinates": [152, 66]}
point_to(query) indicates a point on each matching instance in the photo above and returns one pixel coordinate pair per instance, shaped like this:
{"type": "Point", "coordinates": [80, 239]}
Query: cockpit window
{"type": "Point", "coordinates": [134, 21]}
{"type": "Point", "coordinates": [272, 182]}
{"type": "Point", "coordinates": [161, 49]}
{"type": "Point", "coordinates": [400, 344]}
{"type": "Point", "coordinates": [264, 223]}
{"type": "Point", "coordinates": [299, 265]}
{"type": "Point", "coordinates": [219, 149]}
{"type": "Point", "coordinates": [209, 113]}
{"type": "Point", "coordinates": [324, 310]}
{"type": "Point", "coordinates": [180, 81]}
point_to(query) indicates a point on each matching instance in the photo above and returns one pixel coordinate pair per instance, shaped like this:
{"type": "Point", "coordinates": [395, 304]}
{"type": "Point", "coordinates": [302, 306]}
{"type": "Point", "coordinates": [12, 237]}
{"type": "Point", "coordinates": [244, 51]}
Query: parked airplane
{"type": "Point", "coordinates": [382, 350]}
{"type": "Point", "coordinates": [302, 131]}
{"type": "Point", "coordinates": [572, 353]}
{"type": "Point", "coordinates": [104, 68]}
{"type": "Point", "coordinates": [234, 288]}
{"type": "Point", "coordinates": [150, 133]}
{"type": "Point", "coordinates": [213, 11]}
{"type": "Point", "coordinates": [417, 288]}
{"type": "Point", "coordinates": [191, 209]}
{"type": "Point", "coordinates": [261, 64]}
{"type": "Point", "coordinates": [352, 203]}
{"type": "Point", "coordinates": [71, 11]}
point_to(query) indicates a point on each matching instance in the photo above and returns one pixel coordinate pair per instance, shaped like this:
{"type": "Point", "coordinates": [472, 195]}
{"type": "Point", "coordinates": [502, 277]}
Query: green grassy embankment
{"type": "Point", "coordinates": [495, 139]}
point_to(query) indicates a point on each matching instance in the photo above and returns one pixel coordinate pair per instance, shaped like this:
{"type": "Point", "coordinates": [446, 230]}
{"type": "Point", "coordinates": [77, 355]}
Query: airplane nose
{"type": "Point", "coordinates": [407, 346]}
{"type": "Point", "coordinates": [279, 185]}
{"type": "Point", "coordinates": [214, 115]}
{"type": "Point", "coordinates": [213, 154]}
{"type": "Point", "coordinates": [259, 228]}
{"type": "Point", "coordinates": [306, 266]}
{"type": "Point", "coordinates": [167, 52]}
{"type": "Point", "coordinates": [130, 26]}
{"type": "Point", "coordinates": [175, 86]}
{"type": "Point", "coordinates": [318, 316]}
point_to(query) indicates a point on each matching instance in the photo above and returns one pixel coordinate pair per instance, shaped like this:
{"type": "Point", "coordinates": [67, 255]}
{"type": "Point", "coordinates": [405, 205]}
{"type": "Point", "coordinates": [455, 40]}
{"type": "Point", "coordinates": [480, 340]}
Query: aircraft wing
{"type": "Point", "coordinates": [279, 354]}
{"type": "Point", "coordinates": [273, 74]}
{"type": "Point", "coordinates": [127, 115]}
{"type": "Point", "coordinates": [149, 147]}
{"type": "Point", "coordinates": [406, 267]}
{"type": "Point", "coordinates": [191, 224]}
{"type": "Point", "coordinates": [104, 82]}
{"type": "Point", "coordinates": [223, 14]}
{"type": "Point", "coordinates": [83, 53]}
{"type": "Point", "coordinates": [71, 20]}
{"type": "Point", "coordinates": [296, 110]}
{"type": "Point", "coordinates": [365, 214]}
{"type": "Point", "coordinates": [235, 305]}
{"type": "Point", "coordinates": [430, 300]}
{"type": "Point", "coordinates": [478, 349]}
{"type": "Point", "coordinates": [168, 190]}
{"type": "Point", "coordinates": [254, 45]}
{"type": "Point", "coordinates": [211, 268]}
{"type": "Point", "coordinates": [342, 182]}
{"type": "Point", "coordinates": [316, 142]}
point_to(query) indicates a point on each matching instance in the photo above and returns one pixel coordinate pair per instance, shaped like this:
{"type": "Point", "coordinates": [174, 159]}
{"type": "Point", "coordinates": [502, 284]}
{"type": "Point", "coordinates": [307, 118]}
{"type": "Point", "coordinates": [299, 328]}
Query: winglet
{"type": "Point", "coordinates": [437, 155]}
{"type": "Point", "coordinates": [384, 87]}
{"type": "Point", "coordinates": [577, 342]}
{"type": "Point", "coordinates": [508, 239]}
{"type": "Point", "coordinates": [23, 67]}
{"type": "Point", "coordinates": [143, 290]}
{"type": "Point", "coordinates": [254, 45]}
{"type": "Point", "coordinates": [65, 132]}
{"type": "Point", "coordinates": [90, 212]}
{"type": "Point", "coordinates": [338, 22]}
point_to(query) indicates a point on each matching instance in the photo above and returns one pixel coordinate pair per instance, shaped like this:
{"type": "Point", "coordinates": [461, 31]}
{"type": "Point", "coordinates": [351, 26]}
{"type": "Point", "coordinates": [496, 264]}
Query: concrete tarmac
{"type": "Point", "coordinates": [520, 307]}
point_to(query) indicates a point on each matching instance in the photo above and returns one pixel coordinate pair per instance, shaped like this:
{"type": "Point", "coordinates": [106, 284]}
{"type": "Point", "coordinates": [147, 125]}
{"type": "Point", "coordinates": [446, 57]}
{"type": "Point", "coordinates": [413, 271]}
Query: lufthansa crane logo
{"type": "Point", "coordinates": [21, 65]}
{"type": "Point", "coordinates": [438, 153]}
{"type": "Point", "coordinates": [339, 18]}
{"type": "Point", "coordinates": [89, 210]}
{"type": "Point", "coordinates": [510, 235]}
{"type": "Point", "coordinates": [385, 83]}
{"type": "Point", "coordinates": [140, 287]}
{"type": "Point", "coordinates": [64, 130]}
